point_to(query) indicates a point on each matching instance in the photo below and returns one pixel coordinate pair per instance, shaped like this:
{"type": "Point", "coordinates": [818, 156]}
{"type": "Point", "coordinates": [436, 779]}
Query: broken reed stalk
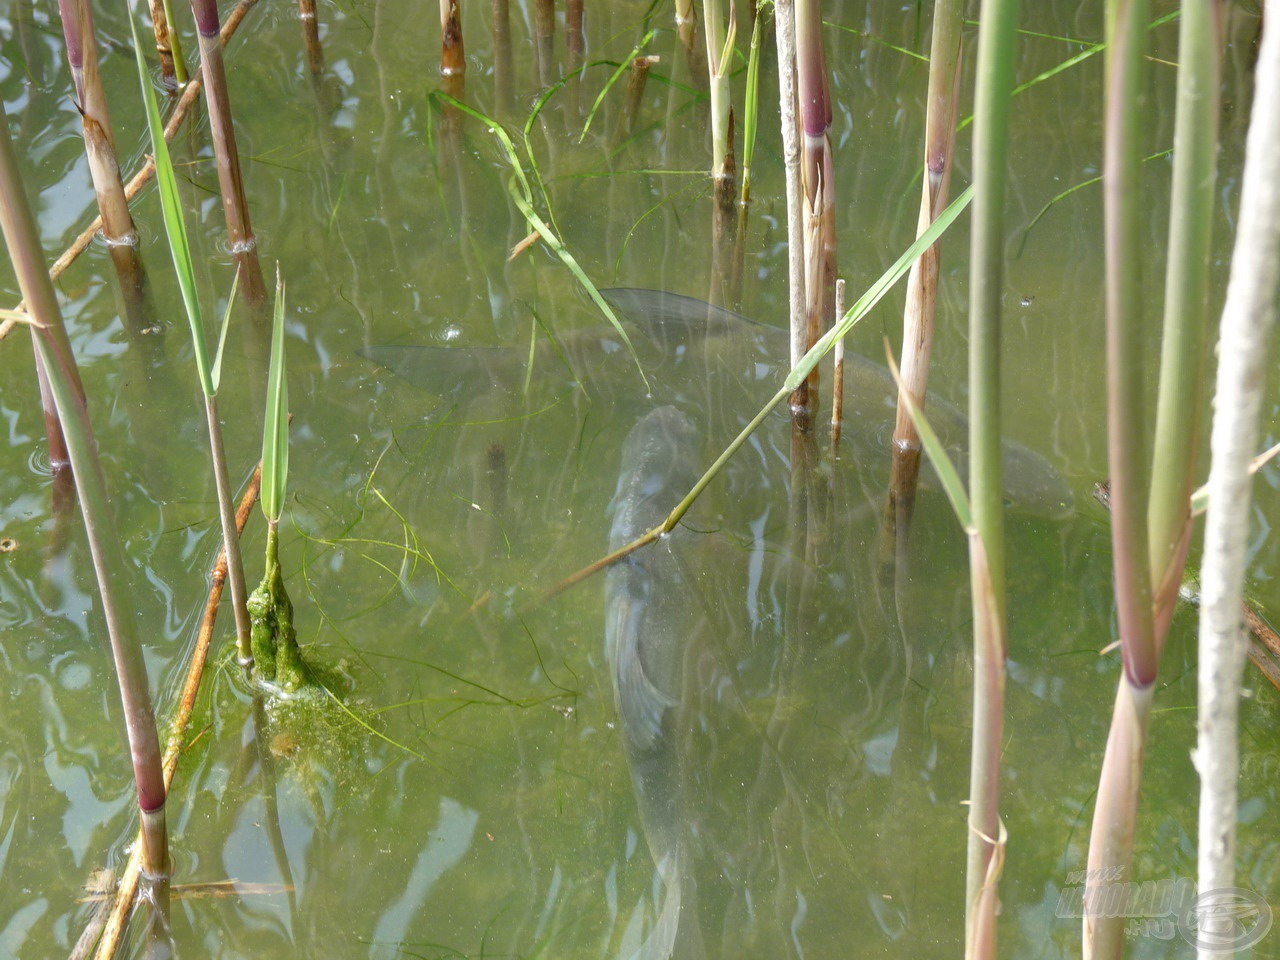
{"type": "Point", "coordinates": [500, 17]}
{"type": "Point", "coordinates": [817, 173]}
{"type": "Point", "coordinates": [720, 43]}
{"type": "Point", "coordinates": [235, 205]}
{"type": "Point", "coordinates": [99, 143]}
{"type": "Point", "coordinates": [637, 79]}
{"type": "Point", "coordinates": [997, 46]}
{"type": "Point", "coordinates": [575, 38]}
{"type": "Point", "coordinates": [785, 37]}
{"type": "Point", "coordinates": [148, 169]}
{"type": "Point", "coordinates": [164, 45]}
{"type": "Point", "coordinates": [544, 29]}
{"type": "Point", "coordinates": [922, 284]}
{"type": "Point", "coordinates": [453, 59]}
{"type": "Point", "coordinates": [127, 888]}
{"type": "Point", "coordinates": [1151, 519]}
{"type": "Point", "coordinates": [687, 26]}
{"type": "Point", "coordinates": [107, 549]}
{"type": "Point", "coordinates": [311, 39]}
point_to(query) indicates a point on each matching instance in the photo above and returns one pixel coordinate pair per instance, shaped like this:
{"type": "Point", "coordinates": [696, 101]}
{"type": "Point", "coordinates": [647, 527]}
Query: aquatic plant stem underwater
{"type": "Point", "coordinates": [105, 545]}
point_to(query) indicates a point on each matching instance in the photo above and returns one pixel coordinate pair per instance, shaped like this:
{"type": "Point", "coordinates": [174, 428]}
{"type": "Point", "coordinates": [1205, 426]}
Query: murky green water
{"type": "Point", "coordinates": [477, 798]}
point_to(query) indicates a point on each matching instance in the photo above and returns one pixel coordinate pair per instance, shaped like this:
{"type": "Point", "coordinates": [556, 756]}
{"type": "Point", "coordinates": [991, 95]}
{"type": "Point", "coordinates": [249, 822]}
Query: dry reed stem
{"type": "Point", "coordinates": [144, 175]}
{"type": "Point", "coordinates": [164, 48]}
{"type": "Point", "coordinates": [128, 887]}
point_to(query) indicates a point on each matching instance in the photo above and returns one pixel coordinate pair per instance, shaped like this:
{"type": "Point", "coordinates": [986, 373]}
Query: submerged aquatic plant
{"type": "Point", "coordinates": [276, 655]}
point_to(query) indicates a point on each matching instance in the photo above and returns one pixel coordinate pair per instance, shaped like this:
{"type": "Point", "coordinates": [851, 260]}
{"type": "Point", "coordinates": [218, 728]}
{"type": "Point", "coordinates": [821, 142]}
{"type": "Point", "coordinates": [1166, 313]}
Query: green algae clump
{"type": "Point", "coordinates": [277, 658]}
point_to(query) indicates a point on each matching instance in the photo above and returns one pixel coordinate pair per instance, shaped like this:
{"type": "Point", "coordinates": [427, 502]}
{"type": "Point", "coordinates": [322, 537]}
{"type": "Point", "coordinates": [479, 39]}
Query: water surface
{"type": "Point", "coordinates": [486, 801]}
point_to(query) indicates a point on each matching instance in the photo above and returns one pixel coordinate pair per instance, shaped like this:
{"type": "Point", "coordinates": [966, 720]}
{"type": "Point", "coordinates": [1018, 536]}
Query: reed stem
{"type": "Point", "coordinates": [817, 177]}
{"type": "Point", "coordinates": [235, 204]}
{"type": "Point", "coordinates": [106, 547]}
{"type": "Point", "coordinates": [1116, 809]}
{"type": "Point", "coordinates": [453, 59]}
{"type": "Point", "coordinates": [160, 21]}
{"type": "Point", "coordinates": [785, 38]}
{"type": "Point", "coordinates": [922, 284]}
{"type": "Point", "coordinates": [997, 38]}
{"type": "Point", "coordinates": [1248, 319]}
{"type": "Point", "coordinates": [99, 141]}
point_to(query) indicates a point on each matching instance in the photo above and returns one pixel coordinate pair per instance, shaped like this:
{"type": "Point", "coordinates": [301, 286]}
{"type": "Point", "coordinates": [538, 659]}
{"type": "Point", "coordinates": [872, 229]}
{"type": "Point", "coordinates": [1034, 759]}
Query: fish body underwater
{"type": "Point", "coordinates": [647, 640]}
{"type": "Point", "coordinates": [717, 366]}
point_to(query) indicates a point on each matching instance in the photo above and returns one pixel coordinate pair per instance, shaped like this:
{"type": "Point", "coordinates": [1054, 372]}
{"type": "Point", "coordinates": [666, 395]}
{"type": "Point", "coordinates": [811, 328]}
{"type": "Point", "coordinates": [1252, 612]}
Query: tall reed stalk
{"type": "Point", "coordinates": [784, 27]}
{"type": "Point", "coordinates": [818, 180]}
{"type": "Point", "coordinates": [105, 545]}
{"type": "Point", "coordinates": [1248, 320]}
{"type": "Point", "coordinates": [1150, 497]}
{"type": "Point", "coordinates": [997, 36]}
{"type": "Point", "coordinates": [922, 284]}
{"type": "Point", "coordinates": [235, 205]}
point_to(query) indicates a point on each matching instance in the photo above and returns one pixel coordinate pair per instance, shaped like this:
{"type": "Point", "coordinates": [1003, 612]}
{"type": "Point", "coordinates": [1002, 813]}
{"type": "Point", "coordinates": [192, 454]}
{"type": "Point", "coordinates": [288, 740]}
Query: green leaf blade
{"type": "Point", "coordinates": [275, 427]}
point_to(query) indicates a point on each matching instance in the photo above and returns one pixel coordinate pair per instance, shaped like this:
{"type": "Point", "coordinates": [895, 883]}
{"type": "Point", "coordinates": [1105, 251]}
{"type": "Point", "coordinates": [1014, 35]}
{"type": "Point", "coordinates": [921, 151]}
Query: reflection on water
{"type": "Point", "coordinates": [745, 742]}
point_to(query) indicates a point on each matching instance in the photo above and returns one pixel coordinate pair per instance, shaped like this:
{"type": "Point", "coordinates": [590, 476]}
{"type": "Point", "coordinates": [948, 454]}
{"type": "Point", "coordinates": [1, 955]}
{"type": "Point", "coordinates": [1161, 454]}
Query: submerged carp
{"type": "Point", "coordinates": [709, 361]}
{"type": "Point", "coordinates": [648, 615]}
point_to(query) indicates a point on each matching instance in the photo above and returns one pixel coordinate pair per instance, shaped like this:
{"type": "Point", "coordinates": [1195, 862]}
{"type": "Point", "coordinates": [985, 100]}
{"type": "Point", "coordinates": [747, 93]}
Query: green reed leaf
{"type": "Point", "coordinates": [174, 224]}
{"type": "Point", "coordinates": [275, 427]}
